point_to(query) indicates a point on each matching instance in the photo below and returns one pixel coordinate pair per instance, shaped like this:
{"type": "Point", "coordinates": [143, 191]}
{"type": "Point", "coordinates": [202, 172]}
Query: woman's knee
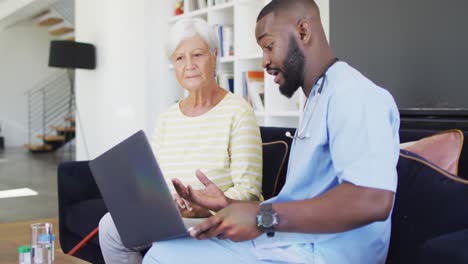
{"type": "Point", "coordinates": [107, 226]}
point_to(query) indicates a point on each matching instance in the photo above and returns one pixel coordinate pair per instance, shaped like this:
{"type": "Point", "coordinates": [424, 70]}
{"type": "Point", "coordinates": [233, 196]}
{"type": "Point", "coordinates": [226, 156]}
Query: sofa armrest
{"type": "Point", "coordinates": [75, 183]}
{"type": "Point", "coordinates": [80, 208]}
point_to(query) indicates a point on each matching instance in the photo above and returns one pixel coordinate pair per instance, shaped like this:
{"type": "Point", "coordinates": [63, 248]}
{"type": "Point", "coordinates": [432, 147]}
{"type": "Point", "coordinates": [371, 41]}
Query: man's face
{"type": "Point", "coordinates": [282, 56]}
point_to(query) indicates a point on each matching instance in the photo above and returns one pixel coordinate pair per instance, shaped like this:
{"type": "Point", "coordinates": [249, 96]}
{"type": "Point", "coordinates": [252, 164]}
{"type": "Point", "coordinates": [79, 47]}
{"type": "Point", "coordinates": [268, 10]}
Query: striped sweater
{"type": "Point", "coordinates": [224, 143]}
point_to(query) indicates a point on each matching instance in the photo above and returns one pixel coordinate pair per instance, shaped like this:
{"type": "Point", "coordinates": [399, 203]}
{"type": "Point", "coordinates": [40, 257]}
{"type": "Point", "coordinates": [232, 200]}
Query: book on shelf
{"type": "Point", "coordinates": [253, 89]}
{"type": "Point", "coordinates": [225, 34]}
{"type": "Point", "coordinates": [219, 2]}
{"type": "Point", "coordinates": [202, 4]}
{"type": "Point", "coordinates": [197, 4]}
{"type": "Point", "coordinates": [226, 81]}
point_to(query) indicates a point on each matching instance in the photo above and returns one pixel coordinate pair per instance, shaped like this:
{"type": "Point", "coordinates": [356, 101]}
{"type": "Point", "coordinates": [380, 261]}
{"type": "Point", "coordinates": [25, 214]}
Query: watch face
{"type": "Point", "coordinates": [267, 220]}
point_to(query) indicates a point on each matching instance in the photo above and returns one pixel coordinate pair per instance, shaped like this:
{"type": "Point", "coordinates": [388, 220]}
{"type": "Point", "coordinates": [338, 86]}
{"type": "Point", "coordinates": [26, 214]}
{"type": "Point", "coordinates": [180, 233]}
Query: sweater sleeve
{"type": "Point", "coordinates": [245, 151]}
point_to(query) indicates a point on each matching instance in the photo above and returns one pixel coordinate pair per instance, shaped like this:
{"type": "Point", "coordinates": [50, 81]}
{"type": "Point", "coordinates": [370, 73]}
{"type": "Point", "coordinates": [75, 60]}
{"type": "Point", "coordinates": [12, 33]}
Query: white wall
{"type": "Point", "coordinates": [24, 51]}
{"type": "Point", "coordinates": [126, 91]}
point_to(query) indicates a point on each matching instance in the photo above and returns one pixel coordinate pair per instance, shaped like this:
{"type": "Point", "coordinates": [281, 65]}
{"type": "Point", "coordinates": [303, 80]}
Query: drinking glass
{"type": "Point", "coordinates": [41, 245]}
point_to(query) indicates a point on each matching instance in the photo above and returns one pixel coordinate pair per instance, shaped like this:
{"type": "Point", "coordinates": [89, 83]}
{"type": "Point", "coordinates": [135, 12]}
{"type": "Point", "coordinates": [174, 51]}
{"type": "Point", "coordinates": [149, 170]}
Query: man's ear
{"type": "Point", "coordinates": [304, 30]}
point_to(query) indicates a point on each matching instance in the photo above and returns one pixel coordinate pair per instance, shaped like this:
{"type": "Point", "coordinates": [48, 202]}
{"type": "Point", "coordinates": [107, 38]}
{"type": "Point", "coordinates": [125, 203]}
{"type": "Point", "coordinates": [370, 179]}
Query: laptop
{"type": "Point", "coordinates": [136, 194]}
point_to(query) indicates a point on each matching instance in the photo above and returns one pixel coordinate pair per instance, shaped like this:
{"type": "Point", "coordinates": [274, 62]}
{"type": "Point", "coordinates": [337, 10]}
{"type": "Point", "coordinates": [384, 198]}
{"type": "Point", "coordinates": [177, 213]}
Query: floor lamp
{"type": "Point", "coordinates": [72, 55]}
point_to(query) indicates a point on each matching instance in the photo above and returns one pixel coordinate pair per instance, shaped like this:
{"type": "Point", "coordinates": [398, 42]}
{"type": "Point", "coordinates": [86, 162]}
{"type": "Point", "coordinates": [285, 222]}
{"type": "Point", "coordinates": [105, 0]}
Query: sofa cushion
{"type": "Point", "coordinates": [443, 149]}
{"type": "Point", "coordinates": [84, 217]}
{"type": "Point", "coordinates": [450, 248]}
{"type": "Point", "coordinates": [429, 202]}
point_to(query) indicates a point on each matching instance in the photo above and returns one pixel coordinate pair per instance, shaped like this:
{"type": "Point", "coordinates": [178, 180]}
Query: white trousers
{"type": "Point", "coordinates": [112, 248]}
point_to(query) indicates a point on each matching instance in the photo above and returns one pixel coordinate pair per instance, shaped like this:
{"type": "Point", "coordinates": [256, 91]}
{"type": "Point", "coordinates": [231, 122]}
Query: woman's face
{"type": "Point", "coordinates": [194, 64]}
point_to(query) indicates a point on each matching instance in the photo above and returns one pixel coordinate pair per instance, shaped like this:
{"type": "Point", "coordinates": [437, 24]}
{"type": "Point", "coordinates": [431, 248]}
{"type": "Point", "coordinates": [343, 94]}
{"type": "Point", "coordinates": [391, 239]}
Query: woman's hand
{"type": "Point", "coordinates": [211, 197]}
{"type": "Point", "coordinates": [189, 210]}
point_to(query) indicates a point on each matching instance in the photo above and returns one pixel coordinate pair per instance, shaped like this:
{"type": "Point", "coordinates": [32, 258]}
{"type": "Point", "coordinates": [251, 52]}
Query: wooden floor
{"type": "Point", "coordinates": [17, 233]}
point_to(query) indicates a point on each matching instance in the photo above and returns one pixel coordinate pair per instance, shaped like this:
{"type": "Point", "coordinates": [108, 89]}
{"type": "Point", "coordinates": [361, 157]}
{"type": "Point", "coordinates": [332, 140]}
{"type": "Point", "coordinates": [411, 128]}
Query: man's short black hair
{"type": "Point", "coordinates": [280, 5]}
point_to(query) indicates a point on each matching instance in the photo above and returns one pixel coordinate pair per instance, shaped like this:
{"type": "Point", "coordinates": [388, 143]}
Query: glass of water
{"type": "Point", "coordinates": [41, 244]}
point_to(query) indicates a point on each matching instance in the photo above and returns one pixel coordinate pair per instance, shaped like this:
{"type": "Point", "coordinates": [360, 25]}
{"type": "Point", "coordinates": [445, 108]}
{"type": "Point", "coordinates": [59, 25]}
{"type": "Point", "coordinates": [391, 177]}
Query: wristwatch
{"type": "Point", "coordinates": [267, 218]}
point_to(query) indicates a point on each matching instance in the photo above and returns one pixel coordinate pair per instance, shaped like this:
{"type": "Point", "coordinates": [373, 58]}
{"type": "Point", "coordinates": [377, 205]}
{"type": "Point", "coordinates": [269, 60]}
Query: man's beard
{"type": "Point", "coordinates": [293, 69]}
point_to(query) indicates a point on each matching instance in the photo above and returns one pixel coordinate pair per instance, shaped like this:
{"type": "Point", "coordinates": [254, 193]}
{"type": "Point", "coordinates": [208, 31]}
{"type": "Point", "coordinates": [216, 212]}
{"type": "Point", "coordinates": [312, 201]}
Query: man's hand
{"type": "Point", "coordinates": [211, 197]}
{"type": "Point", "coordinates": [235, 222]}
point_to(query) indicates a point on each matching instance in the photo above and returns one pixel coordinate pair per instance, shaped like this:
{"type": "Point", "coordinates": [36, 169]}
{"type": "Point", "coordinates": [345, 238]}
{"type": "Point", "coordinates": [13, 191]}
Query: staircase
{"type": "Point", "coordinates": [51, 107]}
{"type": "Point", "coordinates": [51, 103]}
{"type": "Point", "coordinates": [56, 24]}
{"type": "Point", "coordinates": [59, 19]}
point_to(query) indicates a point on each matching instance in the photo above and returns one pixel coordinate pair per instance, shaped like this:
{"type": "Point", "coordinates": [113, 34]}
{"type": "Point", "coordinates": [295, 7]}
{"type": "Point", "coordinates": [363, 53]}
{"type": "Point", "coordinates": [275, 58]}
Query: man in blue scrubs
{"type": "Point", "coordinates": [336, 204]}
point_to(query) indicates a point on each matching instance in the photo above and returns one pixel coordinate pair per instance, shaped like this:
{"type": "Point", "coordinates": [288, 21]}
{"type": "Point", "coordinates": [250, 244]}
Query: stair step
{"type": "Point", "coordinates": [38, 148]}
{"type": "Point", "coordinates": [70, 119]}
{"type": "Point", "coordinates": [69, 36]}
{"type": "Point", "coordinates": [63, 128]}
{"type": "Point", "coordinates": [51, 138]}
{"type": "Point", "coordinates": [51, 21]}
{"type": "Point", "coordinates": [41, 14]}
{"type": "Point", "coordinates": [61, 31]}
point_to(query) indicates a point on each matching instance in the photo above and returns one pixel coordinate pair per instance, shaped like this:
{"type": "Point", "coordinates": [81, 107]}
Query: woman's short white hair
{"type": "Point", "coordinates": [189, 27]}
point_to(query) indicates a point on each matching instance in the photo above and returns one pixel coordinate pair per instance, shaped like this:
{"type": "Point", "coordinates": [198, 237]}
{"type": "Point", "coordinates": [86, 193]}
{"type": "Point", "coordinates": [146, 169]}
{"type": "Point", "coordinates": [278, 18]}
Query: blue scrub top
{"type": "Point", "coordinates": [351, 135]}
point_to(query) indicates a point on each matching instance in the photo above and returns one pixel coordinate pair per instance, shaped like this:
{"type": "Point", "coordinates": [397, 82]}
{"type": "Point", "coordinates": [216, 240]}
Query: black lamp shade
{"type": "Point", "coordinates": [72, 55]}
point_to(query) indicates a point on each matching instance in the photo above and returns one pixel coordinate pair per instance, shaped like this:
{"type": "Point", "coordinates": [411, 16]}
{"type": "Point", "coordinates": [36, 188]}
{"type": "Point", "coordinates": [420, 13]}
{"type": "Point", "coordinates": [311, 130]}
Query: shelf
{"type": "Point", "coordinates": [251, 57]}
{"type": "Point", "coordinates": [203, 11]}
{"type": "Point", "coordinates": [200, 12]}
{"type": "Point", "coordinates": [221, 6]}
{"type": "Point", "coordinates": [227, 59]}
{"type": "Point", "coordinates": [241, 16]}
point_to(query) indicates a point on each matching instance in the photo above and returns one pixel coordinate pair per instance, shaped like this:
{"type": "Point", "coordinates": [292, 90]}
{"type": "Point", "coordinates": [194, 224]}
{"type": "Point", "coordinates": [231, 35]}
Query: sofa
{"type": "Point", "coordinates": [417, 233]}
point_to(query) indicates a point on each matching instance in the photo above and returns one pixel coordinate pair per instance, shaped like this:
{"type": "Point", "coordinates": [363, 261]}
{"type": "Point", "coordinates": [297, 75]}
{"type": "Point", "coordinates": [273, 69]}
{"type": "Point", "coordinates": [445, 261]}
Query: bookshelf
{"type": "Point", "coordinates": [241, 15]}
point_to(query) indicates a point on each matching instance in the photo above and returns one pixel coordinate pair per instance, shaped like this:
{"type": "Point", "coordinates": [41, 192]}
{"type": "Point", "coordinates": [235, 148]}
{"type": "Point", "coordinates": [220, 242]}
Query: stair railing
{"type": "Point", "coordinates": [50, 102]}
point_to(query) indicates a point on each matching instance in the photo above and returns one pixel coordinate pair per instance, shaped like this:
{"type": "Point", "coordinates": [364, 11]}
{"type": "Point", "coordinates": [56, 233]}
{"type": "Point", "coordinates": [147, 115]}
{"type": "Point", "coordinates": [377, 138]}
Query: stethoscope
{"type": "Point", "coordinates": [301, 128]}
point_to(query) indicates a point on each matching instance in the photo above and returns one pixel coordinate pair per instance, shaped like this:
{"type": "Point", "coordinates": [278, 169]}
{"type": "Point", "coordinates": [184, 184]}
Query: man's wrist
{"type": "Point", "coordinates": [267, 219]}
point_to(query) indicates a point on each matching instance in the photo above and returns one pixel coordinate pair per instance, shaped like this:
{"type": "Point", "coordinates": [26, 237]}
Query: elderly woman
{"type": "Point", "coordinates": [210, 132]}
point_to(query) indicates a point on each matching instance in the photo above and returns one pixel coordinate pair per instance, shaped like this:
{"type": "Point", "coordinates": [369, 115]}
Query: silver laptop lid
{"type": "Point", "coordinates": [136, 194]}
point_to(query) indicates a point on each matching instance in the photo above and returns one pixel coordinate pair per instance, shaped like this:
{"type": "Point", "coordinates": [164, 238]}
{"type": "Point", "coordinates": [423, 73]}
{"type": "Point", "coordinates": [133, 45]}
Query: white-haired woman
{"type": "Point", "coordinates": [211, 130]}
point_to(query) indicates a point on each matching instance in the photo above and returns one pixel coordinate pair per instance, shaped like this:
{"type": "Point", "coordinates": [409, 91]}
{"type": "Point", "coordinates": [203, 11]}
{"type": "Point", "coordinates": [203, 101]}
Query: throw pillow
{"type": "Point", "coordinates": [442, 149]}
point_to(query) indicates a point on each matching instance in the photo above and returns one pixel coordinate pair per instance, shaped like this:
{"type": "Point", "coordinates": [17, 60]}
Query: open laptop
{"type": "Point", "coordinates": [136, 194]}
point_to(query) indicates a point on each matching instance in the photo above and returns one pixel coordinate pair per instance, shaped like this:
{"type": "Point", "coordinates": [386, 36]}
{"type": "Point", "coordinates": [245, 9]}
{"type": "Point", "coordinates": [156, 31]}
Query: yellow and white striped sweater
{"type": "Point", "coordinates": [223, 143]}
